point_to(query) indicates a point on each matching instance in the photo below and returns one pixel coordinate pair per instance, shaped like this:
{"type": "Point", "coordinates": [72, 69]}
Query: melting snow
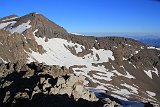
{"type": "Point", "coordinates": [128, 75]}
{"type": "Point", "coordinates": [106, 77]}
{"type": "Point", "coordinates": [3, 60]}
{"type": "Point", "coordinates": [119, 97]}
{"type": "Point", "coordinates": [57, 53]}
{"type": "Point", "coordinates": [124, 58]}
{"type": "Point", "coordinates": [151, 93]}
{"type": "Point", "coordinates": [128, 45]}
{"type": "Point", "coordinates": [98, 89]}
{"type": "Point", "coordinates": [134, 90]}
{"type": "Point", "coordinates": [21, 28]}
{"type": "Point", "coordinates": [35, 32]}
{"type": "Point", "coordinates": [3, 25]}
{"type": "Point", "coordinates": [149, 72]}
{"type": "Point", "coordinates": [136, 52]}
{"type": "Point", "coordinates": [151, 47]}
{"type": "Point", "coordinates": [123, 92]}
{"type": "Point", "coordinates": [75, 33]}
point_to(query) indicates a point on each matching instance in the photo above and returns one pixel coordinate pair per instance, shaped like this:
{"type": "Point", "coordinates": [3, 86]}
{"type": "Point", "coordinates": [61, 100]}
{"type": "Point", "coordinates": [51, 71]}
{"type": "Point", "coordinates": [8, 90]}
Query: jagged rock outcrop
{"type": "Point", "coordinates": [33, 79]}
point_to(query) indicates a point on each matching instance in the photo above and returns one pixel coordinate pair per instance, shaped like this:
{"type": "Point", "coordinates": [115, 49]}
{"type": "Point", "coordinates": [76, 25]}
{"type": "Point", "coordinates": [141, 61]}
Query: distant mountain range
{"type": "Point", "coordinates": [151, 41]}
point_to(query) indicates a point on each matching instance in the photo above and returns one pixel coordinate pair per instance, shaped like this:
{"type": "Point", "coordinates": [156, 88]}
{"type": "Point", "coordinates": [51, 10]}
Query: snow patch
{"type": "Point", "coordinates": [98, 89]}
{"type": "Point", "coordinates": [149, 72]}
{"type": "Point", "coordinates": [134, 90]}
{"type": "Point", "coordinates": [151, 93]}
{"type": "Point", "coordinates": [35, 32]}
{"type": "Point", "coordinates": [128, 45]}
{"type": "Point", "coordinates": [151, 47]}
{"type": "Point", "coordinates": [128, 75]}
{"type": "Point", "coordinates": [106, 77]}
{"type": "Point", "coordinates": [3, 25]}
{"type": "Point", "coordinates": [21, 28]}
{"type": "Point", "coordinates": [125, 59]}
{"type": "Point", "coordinates": [136, 52]}
{"type": "Point", "coordinates": [119, 97]}
{"type": "Point", "coordinates": [75, 33]}
{"type": "Point", "coordinates": [3, 60]}
{"type": "Point", "coordinates": [123, 92]}
{"type": "Point", "coordinates": [100, 72]}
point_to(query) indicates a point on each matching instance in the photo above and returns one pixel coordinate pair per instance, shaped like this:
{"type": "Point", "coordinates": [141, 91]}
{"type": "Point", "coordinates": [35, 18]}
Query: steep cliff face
{"type": "Point", "coordinates": [123, 67]}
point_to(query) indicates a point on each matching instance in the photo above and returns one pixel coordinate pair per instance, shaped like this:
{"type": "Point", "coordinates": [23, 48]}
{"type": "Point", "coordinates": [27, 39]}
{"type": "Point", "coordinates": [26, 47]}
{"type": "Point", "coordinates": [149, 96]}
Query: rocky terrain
{"type": "Point", "coordinates": [36, 84]}
{"type": "Point", "coordinates": [112, 65]}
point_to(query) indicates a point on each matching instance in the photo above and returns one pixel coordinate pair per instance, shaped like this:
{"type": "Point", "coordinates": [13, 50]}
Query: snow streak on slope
{"type": "Point", "coordinates": [19, 29]}
{"type": "Point", "coordinates": [3, 25]}
{"type": "Point", "coordinates": [151, 47]}
{"type": "Point", "coordinates": [149, 72]}
{"type": "Point", "coordinates": [132, 88]}
{"type": "Point", "coordinates": [151, 93]}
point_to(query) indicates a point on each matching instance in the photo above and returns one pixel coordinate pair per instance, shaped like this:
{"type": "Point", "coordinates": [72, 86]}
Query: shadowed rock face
{"type": "Point", "coordinates": [114, 64]}
{"type": "Point", "coordinates": [41, 85]}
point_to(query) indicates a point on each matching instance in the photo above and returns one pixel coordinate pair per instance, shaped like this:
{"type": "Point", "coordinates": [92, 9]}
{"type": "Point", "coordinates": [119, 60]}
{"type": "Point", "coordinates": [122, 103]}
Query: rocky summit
{"type": "Point", "coordinates": [41, 63]}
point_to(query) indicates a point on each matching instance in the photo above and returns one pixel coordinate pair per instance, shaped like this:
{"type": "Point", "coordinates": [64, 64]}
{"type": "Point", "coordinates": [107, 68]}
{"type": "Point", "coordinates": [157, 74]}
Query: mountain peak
{"type": "Point", "coordinates": [35, 15]}
{"type": "Point", "coordinates": [30, 23]}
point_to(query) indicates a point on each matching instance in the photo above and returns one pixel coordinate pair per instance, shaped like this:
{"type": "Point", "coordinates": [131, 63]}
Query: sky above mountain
{"type": "Point", "coordinates": [92, 15]}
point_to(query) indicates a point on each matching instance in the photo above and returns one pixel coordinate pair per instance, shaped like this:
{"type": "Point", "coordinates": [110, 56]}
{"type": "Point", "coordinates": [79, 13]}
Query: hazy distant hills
{"type": "Point", "coordinates": [151, 41]}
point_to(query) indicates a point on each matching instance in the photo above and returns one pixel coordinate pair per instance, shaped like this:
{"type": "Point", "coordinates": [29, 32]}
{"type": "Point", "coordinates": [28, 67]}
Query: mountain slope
{"type": "Point", "coordinates": [113, 64]}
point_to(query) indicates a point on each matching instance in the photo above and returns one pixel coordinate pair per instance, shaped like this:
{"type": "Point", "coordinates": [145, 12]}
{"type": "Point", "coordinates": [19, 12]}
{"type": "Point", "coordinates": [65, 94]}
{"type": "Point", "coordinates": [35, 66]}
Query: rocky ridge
{"type": "Point", "coordinates": [21, 86]}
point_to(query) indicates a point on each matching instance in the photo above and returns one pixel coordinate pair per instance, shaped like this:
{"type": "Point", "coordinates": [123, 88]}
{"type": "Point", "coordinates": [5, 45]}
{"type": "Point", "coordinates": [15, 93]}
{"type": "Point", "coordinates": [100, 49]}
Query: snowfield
{"type": "Point", "coordinates": [58, 52]}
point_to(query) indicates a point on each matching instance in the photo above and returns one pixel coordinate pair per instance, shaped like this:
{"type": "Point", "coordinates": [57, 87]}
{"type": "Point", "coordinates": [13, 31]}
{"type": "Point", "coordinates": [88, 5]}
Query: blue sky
{"type": "Point", "coordinates": [92, 15]}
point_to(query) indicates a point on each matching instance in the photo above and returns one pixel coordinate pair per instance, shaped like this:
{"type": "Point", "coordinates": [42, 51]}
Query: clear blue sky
{"type": "Point", "coordinates": [92, 15]}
